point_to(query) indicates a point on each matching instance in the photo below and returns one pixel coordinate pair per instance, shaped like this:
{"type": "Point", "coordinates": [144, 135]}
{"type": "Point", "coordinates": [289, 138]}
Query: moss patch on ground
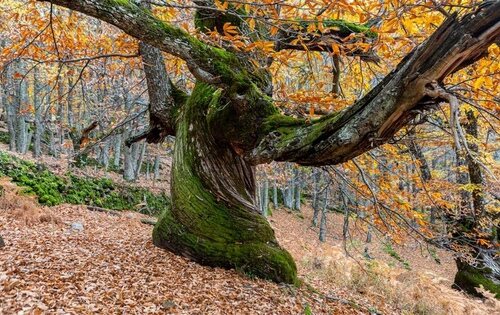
{"type": "Point", "coordinates": [52, 189]}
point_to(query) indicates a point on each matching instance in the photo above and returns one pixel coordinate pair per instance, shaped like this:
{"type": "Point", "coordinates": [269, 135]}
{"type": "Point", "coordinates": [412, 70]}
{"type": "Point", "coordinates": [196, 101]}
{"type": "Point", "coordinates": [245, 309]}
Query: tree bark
{"type": "Point", "coordinates": [157, 167]}
{"type": "Point", "coordinates": [9, 98]}
{"type": "Point", "coordinates": [117, 150]}
{"type": "Point", "coordinates": [214, 219]}
{"type": "Point", "coordinates": [425, 170]}
{"type": "Point", "coordinates": [485, 270]}
{"type": "Point", "coordinates": [275, 194]}
{"type": "Point", "coordinates": [322, 226]}
{"type": "Point", "coordinates": [38, 104]}
{"type": "Point", "coordinates": [297, 190]}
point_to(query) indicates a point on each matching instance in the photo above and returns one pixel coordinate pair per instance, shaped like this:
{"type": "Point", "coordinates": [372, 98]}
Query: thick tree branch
{"type": "Point", "coordinates": [311, 35]}
{"type": "Point", "coordinates": [207, 63]}
{"type": "Point", "coordinates": [375, 118]}
{"type": "Point", "coordinates": [165, 99]}
{"type": "Point", "coordinates": [327, 34]}
{"type": "Point", "coordinates": [138, 137]}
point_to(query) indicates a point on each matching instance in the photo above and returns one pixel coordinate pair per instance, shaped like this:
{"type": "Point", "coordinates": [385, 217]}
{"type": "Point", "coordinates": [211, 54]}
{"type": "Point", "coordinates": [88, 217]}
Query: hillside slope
{"type": "Point", "coordinates": [111, 267]}
{"type": "Point", "coordinates": [67, 259]}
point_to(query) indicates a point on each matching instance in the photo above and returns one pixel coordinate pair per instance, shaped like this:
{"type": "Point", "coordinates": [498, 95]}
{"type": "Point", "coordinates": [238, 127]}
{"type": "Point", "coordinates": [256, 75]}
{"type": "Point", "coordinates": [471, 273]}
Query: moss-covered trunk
{"type": "Point", "coordinates": [213, 219]}
{"type": "Point", "coordinates": [486, 270]}
{"type": "Point", "coordinates": [468, 278]}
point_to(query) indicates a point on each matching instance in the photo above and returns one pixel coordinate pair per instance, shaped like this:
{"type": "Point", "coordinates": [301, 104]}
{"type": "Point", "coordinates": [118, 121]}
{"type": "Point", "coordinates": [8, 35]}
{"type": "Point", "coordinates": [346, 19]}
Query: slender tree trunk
{"type": "Point", "coordinates": [475, 172]}
{"type": "Point", "coordinates": [291, 202]}
{"type": "Point", "coordinates": [130, 162]}
{"type": "Point", "coordinates": [59, 134]}
{"type": "Point", "coordinates": [275, 194]}
{"type": "Point", "coordinates": [258, 197]}
{"type": "Point", "coordinates": [284, 191]}
{"type": "Point", "coordinates": [9, 99]}
{"type": "Point", "coordinates": [322, 226]}
{"type": "Point", "coordinates": [140, 160]}
{"type": "Point", "coordinates": [129, 158]}
{"type": "Point", "coordinates": [298, 185]}
{"type": "Point", "coordinates": [70, 115]}
{"type": "Point", "coordinates": [214, 219]}
{"type": "Point", "coordinates": [21, 87]}
{"type": "Point", "coordinates": [369, 231]}
{"type": "Point", "coordinates": [117, 150]}
{"type": "Point", "coordinates": [315, 199]}
{"type": "Point", "coordinates": [104, 160]}
{"type": "Point", "coordinates": [37, 103]}
{"type": "Point", "coordinates": [315, 176]}
{"type": "Point", "coordinates": [148, 166]}
{"type": "Point", "coordinates": [265, 197]}
{"type": "Point", "coordinates": [157, 167]}
{"type": "Point", "coordinates": [486, 269]}
{"type": "Point", "coordinates": [425, 170]}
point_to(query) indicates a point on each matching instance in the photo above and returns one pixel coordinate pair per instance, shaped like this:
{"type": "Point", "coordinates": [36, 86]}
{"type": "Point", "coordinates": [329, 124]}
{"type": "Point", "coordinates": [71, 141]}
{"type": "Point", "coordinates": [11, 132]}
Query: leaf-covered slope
{"type": "Point", "coordinates": [52, 189]}
{"type": "Point", "coordinates": [112, 267]}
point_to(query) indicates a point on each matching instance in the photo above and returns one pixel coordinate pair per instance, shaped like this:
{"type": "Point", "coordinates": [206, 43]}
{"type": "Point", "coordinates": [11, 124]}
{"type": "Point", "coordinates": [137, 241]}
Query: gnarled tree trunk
{"type": "Point", "coordinates": [214, 219]}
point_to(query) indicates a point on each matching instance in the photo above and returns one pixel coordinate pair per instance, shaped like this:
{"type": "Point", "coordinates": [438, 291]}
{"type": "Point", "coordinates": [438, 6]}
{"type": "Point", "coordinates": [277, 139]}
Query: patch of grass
{"type": "Point", "coordinates": [374, 280]}
{"type": "Point", "coordinates": [4, 137]}
{"type": "Point", "coordinates": [52, 190]}
{"type": "Point", "coordinates": [434, 255]}
{"type": "Point", "coordinates": [307, 310]}
{"type": "Point", "coordinates": [390, 250]}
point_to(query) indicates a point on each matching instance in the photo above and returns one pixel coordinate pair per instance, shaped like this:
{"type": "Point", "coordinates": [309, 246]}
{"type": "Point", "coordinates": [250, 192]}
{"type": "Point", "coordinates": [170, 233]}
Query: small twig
{"type": "Point", "coordinates": [51, 20]}
{"type": "Point", "coordinates": [108, 211]}
{"type": "Point", "coordinates": [149, 221]}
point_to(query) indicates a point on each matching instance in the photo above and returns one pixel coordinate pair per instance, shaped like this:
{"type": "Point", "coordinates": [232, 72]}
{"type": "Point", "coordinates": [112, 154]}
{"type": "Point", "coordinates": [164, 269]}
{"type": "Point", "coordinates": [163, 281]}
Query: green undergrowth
{"type": "Point", "coordinates": [4, 137]}
{"type": "Point", "coordinates": [392, 252]}
{"type": "Point", "coordinates": [93, 162]}
{"type": "Point", "coordinates": [51, 189]}
{"type": "Point", "coordinates": [469, 278]}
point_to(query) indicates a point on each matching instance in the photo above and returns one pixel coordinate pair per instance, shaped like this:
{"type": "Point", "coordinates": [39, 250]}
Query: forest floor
{"type": "Point", "coordinates": [404, 280]}
{"type": "Point", "coordinates": [69, 260]}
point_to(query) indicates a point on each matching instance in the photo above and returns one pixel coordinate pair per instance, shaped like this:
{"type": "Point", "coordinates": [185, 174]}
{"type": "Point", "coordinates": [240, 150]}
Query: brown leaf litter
{"type": "Point", "coordinates": [110, 266]}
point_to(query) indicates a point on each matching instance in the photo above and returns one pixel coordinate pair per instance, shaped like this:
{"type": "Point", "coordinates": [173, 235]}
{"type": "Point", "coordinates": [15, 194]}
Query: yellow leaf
{"type": "Point", "coordinates": [230, 30]}
{"type": "Point", "coordinates": [335, 49]}
{"type": "Point", "coordinates": [251, 24]}
{"type": "Point", "coordinates": [221, 5]}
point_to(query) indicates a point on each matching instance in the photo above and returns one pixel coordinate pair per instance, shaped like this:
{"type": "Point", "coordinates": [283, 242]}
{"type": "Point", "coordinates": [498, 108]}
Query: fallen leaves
{"type": "Point", "coordinates": [112, 267]}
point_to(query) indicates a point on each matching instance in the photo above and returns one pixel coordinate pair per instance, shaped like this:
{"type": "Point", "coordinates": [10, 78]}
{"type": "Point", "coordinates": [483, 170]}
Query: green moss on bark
{"type": "Point", "coordinates": [293, 132]}
{"type": "Point", "coordinates": [346, 28]}
{"type": "Point", "coordinates": [213, 219]}
{"type": "Point", "coordinates": [469, 278]}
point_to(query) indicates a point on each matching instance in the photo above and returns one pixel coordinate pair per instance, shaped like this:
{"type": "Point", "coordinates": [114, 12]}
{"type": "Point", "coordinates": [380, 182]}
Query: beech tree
{"type": "Point", "coordinates": [230, 123]}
